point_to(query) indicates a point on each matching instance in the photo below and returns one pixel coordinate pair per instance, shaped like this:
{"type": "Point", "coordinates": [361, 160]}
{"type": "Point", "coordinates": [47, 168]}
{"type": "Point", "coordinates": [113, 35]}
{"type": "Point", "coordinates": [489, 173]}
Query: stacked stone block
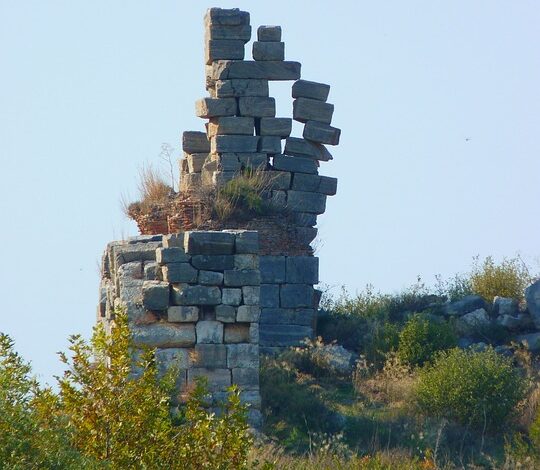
{"type": "Point", "coordinates": [195, 297]}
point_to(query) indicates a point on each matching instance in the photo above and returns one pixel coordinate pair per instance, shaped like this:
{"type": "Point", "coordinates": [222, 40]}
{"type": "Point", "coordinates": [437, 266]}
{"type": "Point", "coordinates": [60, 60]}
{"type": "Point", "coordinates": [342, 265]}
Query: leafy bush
{"type": "Point", "coordinates": [507, 279]}
{"type": "Point", "coordinates": [383, 339]}
{"type": "Point", "coordinates": [421, 338]}
{"type": "Point", "coordinates": [481, 389]}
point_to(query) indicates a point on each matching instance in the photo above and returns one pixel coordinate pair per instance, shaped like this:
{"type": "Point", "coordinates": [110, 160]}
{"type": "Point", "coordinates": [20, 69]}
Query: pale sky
{"type": "Point", "coordinates": [438, 103]}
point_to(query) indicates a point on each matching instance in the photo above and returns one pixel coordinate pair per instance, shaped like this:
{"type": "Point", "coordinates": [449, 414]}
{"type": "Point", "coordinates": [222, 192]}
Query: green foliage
{"type": "Point", "coordinates": [421, 338]}
{"type": "Point", "coordinates": [383, 340]}
{"type": "Point", "coordinates": [481, 389]}
{"type": "Point", "coordinates": [506, 279]}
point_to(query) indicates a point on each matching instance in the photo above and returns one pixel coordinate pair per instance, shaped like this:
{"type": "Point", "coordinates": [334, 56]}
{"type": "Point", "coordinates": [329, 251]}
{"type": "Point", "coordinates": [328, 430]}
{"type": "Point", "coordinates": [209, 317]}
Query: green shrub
{"type": "Point", "coordinates": [481, 389]}
{"type": "Point", "coordinates": [422, 337]}
{"type": "Point", "coordinates": [382, 340]}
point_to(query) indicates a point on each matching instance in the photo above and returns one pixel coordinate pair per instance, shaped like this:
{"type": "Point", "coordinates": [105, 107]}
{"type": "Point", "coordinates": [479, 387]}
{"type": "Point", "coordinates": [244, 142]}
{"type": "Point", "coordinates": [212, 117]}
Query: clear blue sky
{"type": "Point", "coordinates": [439, 160]}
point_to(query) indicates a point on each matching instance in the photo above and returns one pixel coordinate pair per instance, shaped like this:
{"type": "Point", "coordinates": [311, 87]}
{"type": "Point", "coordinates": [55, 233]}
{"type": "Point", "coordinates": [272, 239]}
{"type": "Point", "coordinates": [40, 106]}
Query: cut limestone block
{"type": "Point", "coordinates": [213, 262]}
{"type": "Point", "coordinates": [223, 49]}
{"type": "Point", "coordinates": [278, 199]}
{"type": "Point", "coordinates": [174, 254]}
{"type": "Point", "coordinates": [240, 32]}
{"type": "Point", "coordinates": [183, 294]}
{"type": "Point", "coordinates": [209, 332]}
{"type": "Point", "coordinates": [252, 295]}
{"type": "Point", "coordinates": [254, 160]}
{"type": "Point", "coordinates": [220, 178]}
{"type": "Point", "coordinates": [306, 109]}
{"type": "Point", "coordinates": [228, 17]}
{"type": "Point", "coordinates": [284, 316]}
{"type": "Point", "coordinates": [297, 295]}
{"type": "Point", "coordinates": [242, 355]}
{"type": "Point", "coordinates": [270, 144]}
{"type": "Point", "coordinates": [268, 70]}
{"type": "Point", "coordinates": [269, 296]}
{"type": "Point", "coordinates": [190, 181]}
{"type": "Point", "coordinates": [209, 243]}
{"type": "Point", "coordinates": [272, 269]}
{"type": "Point", "coordinates": [182, 314]}
{"type": "Point", "coordinates": [231, 125]}
{"type": "Point", "coordinates": [242, 277]}
{"type": "Point", "coordinates": [314, 183]}
{"type": "Point", "coordinates": [248, 313]}
{"type": "Point", "coordinates": [234, 143]}
{"type": "Point", "coordinates": [226, 313]}
{"type": "Point", "coordinates": [267, 51]}
{"type": "Point", "coordinates": [240, 87]}
{"type": "Point", "coordinates": [227, 162]}
{"type": "Point", "coordinates": [257, 106]}
{"type": "Point", "coordinates": [167, 358]}
{"type": "Point", "coordinates": [247, 261]}
{"type": "Point", "coordinates": [247, 242]}
{"type": "Point", "coordinates": [313, 90]}
{"type": "Point", "coordinates": [303, 201]}
{"type": "Point", "coordinates": [210, 278]}
{"type": "Point", "coordinates": [303, 219]}
{"type": "Point", "coordinates": [278, 180]}
{"type": "Point", "coordinates": [218, 379]}
{"type": "Point", "coordinates": [179, 272]}
{"type": "Point", "coordinates": [236, 333]}
{"type": "Point", "coordinates": [295, 164]}
{"type": "Point", "coordinates": [284, 335]}
{"type": "Point", "coordinates": [195, 142]}
{"type": "Point", "coordinates": [274, 126]}
{"type": "Point", "coordinates": [247, 378]}
{"type": "Point", "coordinates": [254, 333]}
{"type": "Point", "coordinates": [305, 235]}
{"type": "Point", "coordinates": [213, 356]}
{"type": "Point", "coordinates": [269, 33]}
{"type": "Point", "coordinates": [164, 335]}
{"type": "Point", "coordinates": [232, 297]}
{"type": "Point", "coordinates": [302, 270]}
{"type": "Point", "coordinates": [304, 148]}
{"type": "Point", "coordinates": [322, 133]}
{"type": "Point", "coordinates": [155, 295]}
{"type": "Point", "coordinates": [173, 240]}
{"type": "Point", "coordinates": [195, 161]}
{"type": "Point", "coordinates": [214, 107]}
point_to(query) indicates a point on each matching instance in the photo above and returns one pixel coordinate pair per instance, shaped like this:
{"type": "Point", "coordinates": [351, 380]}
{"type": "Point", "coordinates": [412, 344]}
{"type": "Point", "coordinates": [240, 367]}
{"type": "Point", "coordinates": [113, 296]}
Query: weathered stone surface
{"type": "Point", "coordinates": [247, 378]}
{"type": "Point", "coordinates": [268, 70]}
{"type": "Point", "coordinates": [302, 270]}
{"type": "Point", "coordinates": [295, 164]}
{"type": "Point", "coordinates": [214, 107]}
{"type": "Point", "coordinates": [231, 125]}
{"type": "Point", "coordinates": [269, 296]}
{"type": "Point", "coordinates": [226, 313]}
{"type": "Point", "coordinates": [467, 304]}
{"type": "Point", "coordinates": [209, 331]}
{"type": "Point", "coordinates": [210, 278]}
{"type": "Point", "coordinates": [312, 90]}
{"type": "Point", "coordinates": [232, 296]}
{"type": "Point", "coordinates": [296, 295]}
{"type": "Point", "coordinates": [531, 340]}
{"type": "Point", "coordinates": [248, 313]}
{"type": "Point", "coordinates": [283, 316]}
{"type": "Point", "coordinates": [272, 269]}
{"type": "Point", "coordinates": [242, 277]}
{"type": "Point", "coordinates": [139, 252]}
{"type": "Point", "coordinates": [268, 33]}
{"type": "Point", "coordinates": [273, 126]}
{"type": "Point", "coordinates": [155, 295]}
{"type": "Point", "coordinates": [171, 255]}
{"type": "Point", "coordinates": [247, 242]}
{"type": "Point", "coordinates": [253, 398]}
{"type": "Point", "coordinates": [279, 180]}
{"type": "Point", "coordinates": [164, 335]}
{"type": "Point", "coordinates": [254, 333]}
{"type": "Point", "coordinates": [256, 106]}
{"type": "Point", "coordinates": [328, 185]}
{"type": "Point", "coordinates": [336, 357]}
{"type": "Point", "coordinates": [234, 143]}
{"type": "Point", "coordinates": [213, 262]}
{"type": "Point", "coordinates": [278, 199]}
{"type": "Point", "coordinates": [246, 261]}
{"type": "Point", "coordinates": [227, 162]}
{"type": "Point", "coordinates": [305, 235]}
{"type": "Point", "coordinates": [173, 240]}
{"type": "Point", "coordinates": [183, 294]}
{"type": "Point", "coordinates": [223, 49]}
{"type": "Point", "coordinates": [270, 144]}
{"type": "Point", "coordinates": [505, 306]}
{"type": "Point", "coordinates": [195, 142]}
{"type": "Point", "coordinates": [130, 271]}
{"type": "Point", "coordinates": [209, 243]}
{"type": "Point", "coordinates": [171, 357]}
{"type": "Point", "coordinates": [226, 16]}
{"type": "Point", "coordinates": [220, 178]}
{"type": "Point", "coordinates": [179, 272]}
{"type": "Point", "coordinates": [190, 181]}
{"type": "Point", "coordinates": [284, 335]}
{"type": "Point", "coordinates": [236, 333]}
{"type": "Point", "coordinates": [151, 270]}
{"type": "Point", "coordinates": [509, 322]}
{"type": "Point", "coordinates": [242, 355]}
{"type": "Point", "coordinates": [306, 109]}
{"type": "Point", "coordinates": [302, 201]}
{"type": "Point", "coordinates": [254, 160]}
{"type": "Point", "coordinates": [182, 314]}
{"type": "Point", "coordinates": [322, 133]}
{"type": "Point", "coordinates": [240, 87]}
{"type": "Point", "coordinates": [251, 295]}
{"type": "Point", "coordinates": [268, 51]}
{"type": "Point", "coordinates": [471, 321]}
{"type": "Point", "coordinates": [195, 161]}
{"type": "Point", "coordinates": [532, 296]}
{"type": "Point", "coordinates": [240, 32]}
{"type": "Point", "coordinates": [306, 149]}
{"type": "Point", "coordinates": [218, 379]}
{"type": "Point", "coordinates": [303, 219]}
{"type": "Point", "coordinates": [212, 356]}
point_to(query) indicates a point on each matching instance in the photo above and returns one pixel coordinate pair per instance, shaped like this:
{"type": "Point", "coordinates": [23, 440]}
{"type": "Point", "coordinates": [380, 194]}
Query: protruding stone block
{"type": "Point", "coordinates": [312, 90]}
{"type": "Point", "coordinates": [231, 125]}
{"type": "Point", "coordinates": [268, 33]}
{"type": "Point", "coordinates": [240, 87]}
{"type": "Point", "coordinates": [212, 356]}
{"type": "Point", "coordinates": [155, 295]}
{"type": "Point", "coordinates": [215, 107]}
{"type": "Point", "coordinates": [296, 295]}
{"type": "Point", "coordinates": [270, 145]}
{"type": "Point", "coordinates": [304, 219]}
{"type": "Point", "coordinates": [242, 355]}
{"type": "Point", "coordinates": [241, 32]}
{"type": "Point", "coordinates": [226, 313]}
{"type": "Point", "coordinates": [302, 270]}
{"type": "Point", "coordinates": [242, 277]}
{"type": "Point", "coordinates": [179, 314]}
{"type": "Point", "coordinates": [234, 143]}
{"type": "Point", "coordinates": [248, 313]}
{"type": "Point", "coordinates": [179, 272]}
{"type": "Point", "coordinates": [226, 16]}
{"type": "Point", "coordinates": [266, 70]}
{"type": "Point", "coordinates": [268, 50]}
{"type": "Point", "coordinates": [321, 133]}
{"type": "Point", "coordinates": [195, 161]}
{"type": "Point", "coordinates": [223, 49]}
{"type": "Point", "coordinates": [257, 106]}
{"type": "Point", "coordinates": [195, 142]}
{"type": "Point", "coordinates": [164, 335]}
{"type": "Point", "coordinates": [236, 333]}
{"type": "Point", "coordinates": [305, 235]}
{"type": "Point", "coordinates": [306, 109]}
{"type": "Point", "coordinates": [183, 294]}
{"type": "Point", "coordinates": [209, 243]}
{"type": "Point", "coordinates": [302, 201]}
{"type": "Point", "coordinates": [232, 297]}
{"type": "Point", "coordinates": [251, 295]}
{"type": "Point", "coordinates": [210, 278]}
{"type": "Point", "coordinates": [280, 127]}
{"type": "Point", "coordinates": [306, 149]}
{"type": "Point", "coordinates": [209, 331]}
{"type": "Point", "coordinates": [272, 269]}
{"type": "Point", "coordinates": [295, 164]}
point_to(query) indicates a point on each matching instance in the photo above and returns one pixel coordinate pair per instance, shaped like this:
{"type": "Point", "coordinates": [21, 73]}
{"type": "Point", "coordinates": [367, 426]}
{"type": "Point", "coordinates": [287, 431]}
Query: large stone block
{"type": "Point", "coordinates": [247, 378]}
{"type": "Point", "coordinates": [164, 335]}
{"type": "Point", "coordinates": [232, 297]}
{"type": "Point", "coordinates": [252, 398]}
{"type": "Point", "coordinates": [209, 243]}
{"type": "Point", "coordinates": [215, 107]}
{"type": "Point", "coordinates": [226, 16]}
{"type": "Point", "coordinates": [240, 87]}
{"type": "Point", "coordinates": [227, 162]}
{"type": "Point", "coordinates": [278, 180]}
{"type": "Point", "coordinates": [220, 178]}
{"type": "Point", "coordinates": [272, 269]}
{"type": "Point", "coordinates": [183, 294]}
{"type": "Point", "coordinates": [306, 109]}
{"type": "Point", "coordinates": [268, 33]}
{"type": "Point", "coordinates": [297, 295]}
{"type": "Point", "coordinates": [305, 235]}
{"type": "Point", "coordinates": [242, 355]}
{"type": "Point", "coordinates": [312, 90]}
{"type": "Point", "coordinates": [209, 331]}
{"type": "Point", "coordinates": [303, 219]}
{"type": "Point", "coordinates": [285, 316]}
{"type": "Point", "coordinates": [212, 356]}
{"type": "Point", "coordinates": [231, 125]}
{"type": "Point", "coordinates": [306, 149]}
{"type": "Point", "coordinates": [302, 270]}
{"type": "Point", "coordinates": [253, 160]}
{"type": "Point", "coordinates": [251, 295]}
{"type": "Point", "coordinates": [234, 143]}
{"type": "Point", "coordinates": [248, 313]}
{"type": "Point", "coordinates": [171, 255]}
{"type": "Point", "coordinates": [246, 261]}
{"type": "Point", "coordinates": [182, 314]}
{"type": "Point", "coordinates": [223, 49]}
{"type": "Point", "coordinates": [171, 357]}
{"type": "Point", "coordinates": [240, 32]}
{"type": "Point", "coordinates": [155, 295]}
{"type": "Point", "coordinates": [295, 164]}
{"type": "Point", "coordinates": [128, 253]}
{"type": "Point", "coordinates": [242, 277]}
{"type": "Point", "coordinates": [270, 144]}
{"type": "Point", "coordinates": [257, 106]}
{"type": "Point", "coordinates": [195, 161]}
{"type": "Point", "coordinates": [174, 240]}
{"type": "Point", "coordinates": [269, 296]}
{"type": "Point", "coordinates": [247, 242]}
{"type": "Point", "coordinates": [236, 333]}
{"type": "Point", "coordinates": [210, 278]}
{"type": "Point", "coordinates": [303, 201]}
{"type": "Point", "coordinates": [254, 333]}
{"type": "Point", "coordinates": [321, 133]}
{"type": "Point", "coordinates": [284, 335]}
{"type": "Point", "coordinates": [218, 379]}
{"type": "Point", "coordinates": [267, 70]}
{"type": "Point", "coordinates": [226, 313]}
{"type": "Point", "coordinates": [280, 127]}
{"type": "Point", "coordinates": [268, 50]}
{"type": "Point", "coordinates": [179, 272]}
{"type": "Point", "coordinates": [314, 183]}
{"type": "Point", "coordinates": [213, 262]}
{"type": "Point", "coordinates": [195, 142]}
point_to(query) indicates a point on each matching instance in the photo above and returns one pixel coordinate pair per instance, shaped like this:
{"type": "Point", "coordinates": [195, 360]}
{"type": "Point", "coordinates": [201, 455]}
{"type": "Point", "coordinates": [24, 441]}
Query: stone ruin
{"type": "Point", "coordinates": [211, 295]}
